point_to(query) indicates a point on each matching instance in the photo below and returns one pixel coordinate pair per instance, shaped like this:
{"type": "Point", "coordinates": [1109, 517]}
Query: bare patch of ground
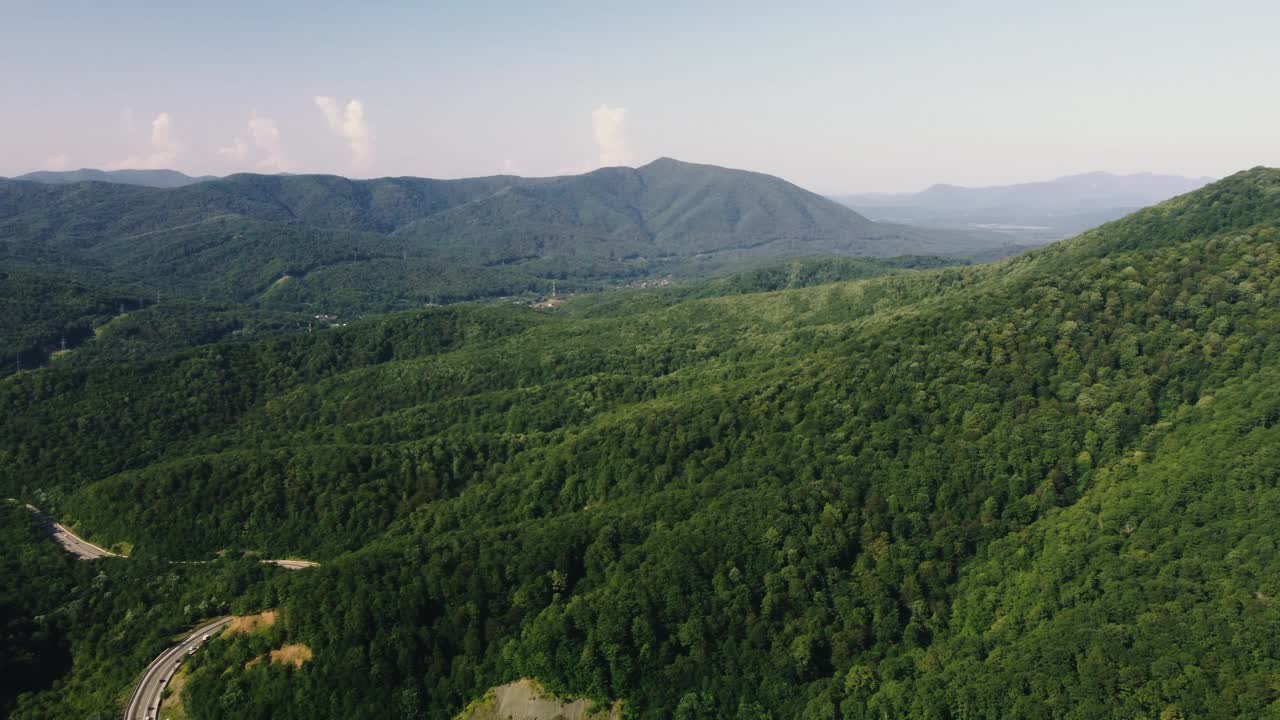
{"type": "Point", "coordinates": [248, 624]}
{"type": "Point", "coordinates": [292, 564]}
{"type": "Point", "coordinates": [295, 655]}
{"type": "Point", "coordinates": [527, 700]}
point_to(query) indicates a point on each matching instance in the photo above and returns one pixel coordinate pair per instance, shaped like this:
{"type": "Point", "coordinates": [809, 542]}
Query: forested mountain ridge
{"type": "Point", "coordinates": [351, 246]}
{"type": "Point", "coordinates": [1043, 487]}
{"type": "Point", "coordinates": [148, 178]}
{"type": "Point", "coordinates": [667, 200]}
{"type": "Point", "coordinates": [320, 244]}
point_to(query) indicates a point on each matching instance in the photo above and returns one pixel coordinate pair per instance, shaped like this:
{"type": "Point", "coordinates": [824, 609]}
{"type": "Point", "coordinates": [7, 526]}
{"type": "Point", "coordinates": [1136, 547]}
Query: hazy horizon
{"type": "Point", "coordinates": [1029, 181]}
{"type": "Point", "coordinates": [840, 100]}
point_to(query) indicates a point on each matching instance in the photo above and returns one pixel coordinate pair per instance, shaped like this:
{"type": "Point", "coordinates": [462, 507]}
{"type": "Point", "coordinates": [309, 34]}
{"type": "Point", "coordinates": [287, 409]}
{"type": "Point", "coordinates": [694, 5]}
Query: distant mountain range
{"type": "Point", "coordinates": [302, 241]}
{"type": "Point", "coordinates": [1033, 212]}
{"type": "Point", "coordinates": [146, 178]}
{"type": "Point", "coordinates": [986, 222]}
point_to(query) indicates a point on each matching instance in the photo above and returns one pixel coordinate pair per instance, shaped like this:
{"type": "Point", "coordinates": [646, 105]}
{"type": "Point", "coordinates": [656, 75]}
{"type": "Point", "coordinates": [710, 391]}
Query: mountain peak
{"type": "Point", "coordinates": [669, 164]}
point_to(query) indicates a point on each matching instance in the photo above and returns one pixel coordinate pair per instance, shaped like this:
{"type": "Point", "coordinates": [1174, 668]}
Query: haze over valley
{"type": "Point", "coordinates": [1031, 213]}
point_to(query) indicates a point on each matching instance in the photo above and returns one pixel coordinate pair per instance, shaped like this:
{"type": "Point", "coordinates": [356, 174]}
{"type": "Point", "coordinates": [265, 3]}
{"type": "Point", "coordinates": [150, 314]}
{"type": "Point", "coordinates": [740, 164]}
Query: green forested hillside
{"type": "Point", "coordinates": [333, 245]}
{"type": "Point", "coordinates": [47, 317]}
{"type": "Point", "coordinates": [76, 634]}
{"type": "Point", "coordinates": [38, 310]}
{"type": "Point", "coordinates": [1040, 488]}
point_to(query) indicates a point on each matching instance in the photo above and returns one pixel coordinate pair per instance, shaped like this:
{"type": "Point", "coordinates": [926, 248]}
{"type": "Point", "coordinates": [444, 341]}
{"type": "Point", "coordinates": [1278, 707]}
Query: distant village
{"type": "Point", "coordinates": [555, 299]}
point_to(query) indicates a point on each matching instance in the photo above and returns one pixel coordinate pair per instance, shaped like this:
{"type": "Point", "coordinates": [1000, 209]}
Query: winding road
{"type": "Point", "coordinates": [144, 704]}
{"type": "Point", "coordinates": [86, 550]}
{"type": "Point", "coordinates": [69, 541]}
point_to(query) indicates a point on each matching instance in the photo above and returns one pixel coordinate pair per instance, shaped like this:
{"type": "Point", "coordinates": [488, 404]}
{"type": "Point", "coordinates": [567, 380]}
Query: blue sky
{"type": "Point", "coordinates": [839, 97]}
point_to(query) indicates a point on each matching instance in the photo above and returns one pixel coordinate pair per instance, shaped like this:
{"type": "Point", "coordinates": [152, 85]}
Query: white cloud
{"type": "Point", "coordinates": [263, 145]}
{"type": "Point", "coordinates": [610, 128]}
{"type": "Point", "coordinates": [266, 139]}
{"type": "Point", "coordinates": [349, 124]}
{"type": "Point", "coordinates": [237, 151]}
{"type": "Point", "coordinates": [56, 162]}
{"type": "Point", "coordinates": [163, 143]}
{"type": "Point", "coordinates": [164, 148]}
{"type": "Point", "coordinates": [509, 167]}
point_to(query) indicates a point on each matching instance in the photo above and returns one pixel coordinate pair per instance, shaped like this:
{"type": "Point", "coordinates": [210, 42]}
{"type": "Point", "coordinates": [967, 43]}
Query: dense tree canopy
{"type": "Point", "coordinates": [1040, 488]}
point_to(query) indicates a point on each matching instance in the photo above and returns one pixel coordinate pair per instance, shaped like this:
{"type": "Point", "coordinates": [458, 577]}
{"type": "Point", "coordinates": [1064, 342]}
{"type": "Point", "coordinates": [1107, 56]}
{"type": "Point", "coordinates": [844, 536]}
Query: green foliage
{"type": "Point", "coordinates": [78, 634]}
{"type": "Point", "coordinates": [333, 245]}
{"type": "Point", "coordinates": [38, 310]}
{"type": "Point", "coordinates": [1151, 596]}
{"type": "Point", "coordinates": [33, 645]}
{"type": "Point", "coordinates": [1041, 488]}
{"type": "Point", "coordinates": [72, 321]}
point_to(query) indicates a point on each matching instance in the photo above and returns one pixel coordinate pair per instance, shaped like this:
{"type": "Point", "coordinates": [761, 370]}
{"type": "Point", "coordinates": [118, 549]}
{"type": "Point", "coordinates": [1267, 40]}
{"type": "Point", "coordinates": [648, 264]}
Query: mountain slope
{"type": "Point", "coordinates": [1042, 487]}
{"type": "Point", "coordinates": [1152, 595]}
{"type": "Point", "coordinates": [493, 236]}
{"type": "Point", "coordinates": [148, 178]}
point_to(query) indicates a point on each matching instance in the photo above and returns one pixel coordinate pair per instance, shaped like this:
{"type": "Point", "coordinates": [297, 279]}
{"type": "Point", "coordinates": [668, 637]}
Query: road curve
{"type": "Point", "coordinates": [69, 541]}
{"type": "Point", "coordinates": [86, 550]}
{"type": "Point", "coordinates": [144, 703]}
